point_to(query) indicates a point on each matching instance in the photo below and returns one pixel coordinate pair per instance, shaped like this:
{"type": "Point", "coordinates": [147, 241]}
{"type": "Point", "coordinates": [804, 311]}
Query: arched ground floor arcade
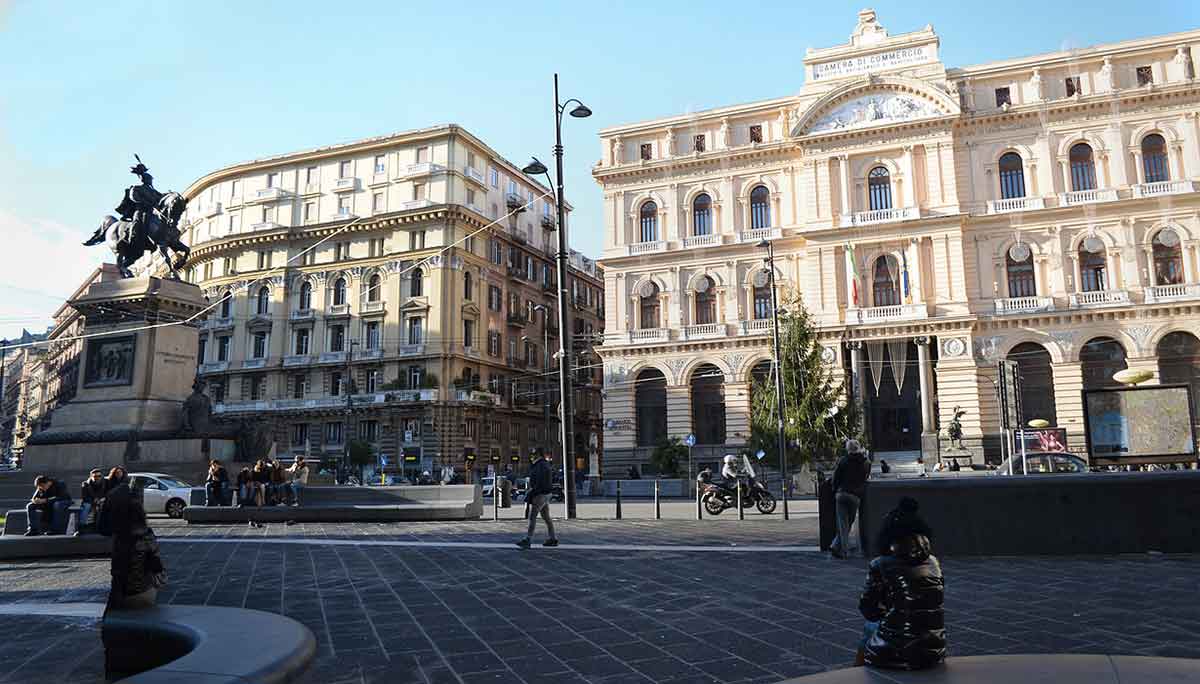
{"type": "Point", "coordinates": [909, 379]}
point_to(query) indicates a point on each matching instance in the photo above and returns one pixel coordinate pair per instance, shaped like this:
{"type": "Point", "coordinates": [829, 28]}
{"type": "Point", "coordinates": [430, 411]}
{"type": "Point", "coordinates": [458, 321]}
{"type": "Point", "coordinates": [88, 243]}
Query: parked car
{"type": "Point", "coordinates": [162, 493]}
{"type": "Point", "coordinates": [1043, 463]}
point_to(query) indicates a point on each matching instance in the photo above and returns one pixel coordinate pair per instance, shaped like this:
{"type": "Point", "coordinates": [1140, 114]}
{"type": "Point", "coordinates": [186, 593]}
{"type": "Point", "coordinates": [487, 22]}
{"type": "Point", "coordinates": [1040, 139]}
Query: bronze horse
{"type": "Point", "coordinates": [130, 242]}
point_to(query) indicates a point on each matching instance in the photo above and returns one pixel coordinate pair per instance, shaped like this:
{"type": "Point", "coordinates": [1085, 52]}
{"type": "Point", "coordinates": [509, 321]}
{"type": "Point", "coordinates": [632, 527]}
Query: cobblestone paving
{"type": "Point", "coordinates": [440, 614]}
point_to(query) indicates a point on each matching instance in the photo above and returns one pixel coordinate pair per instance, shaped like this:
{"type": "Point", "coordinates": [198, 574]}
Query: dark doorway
{"type": "Point", "coordinates": [894, 415]}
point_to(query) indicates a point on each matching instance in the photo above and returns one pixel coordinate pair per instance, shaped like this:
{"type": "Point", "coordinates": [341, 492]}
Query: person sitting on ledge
{"type": "Point", "coordinates": [94, 489]}
{"type": "Point", "coordinates": [902, 600]}
{"type": "Point", "coordinates": [47, 508]}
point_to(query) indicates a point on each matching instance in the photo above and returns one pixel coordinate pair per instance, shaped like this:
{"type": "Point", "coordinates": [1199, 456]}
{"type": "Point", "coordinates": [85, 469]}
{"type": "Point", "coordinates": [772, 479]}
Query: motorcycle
{"type": "Point", "coordinates": [754, 494]}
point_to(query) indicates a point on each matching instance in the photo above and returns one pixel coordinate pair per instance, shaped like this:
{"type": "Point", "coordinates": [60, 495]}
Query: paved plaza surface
{"type": "Point", "coordinates": [728, 601]}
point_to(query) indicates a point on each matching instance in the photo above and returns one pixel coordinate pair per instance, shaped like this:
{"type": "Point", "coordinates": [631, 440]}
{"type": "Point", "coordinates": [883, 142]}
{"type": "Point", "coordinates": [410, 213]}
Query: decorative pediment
{"type": "Point", "coordinates": [470, 309]}
{"type": "Point", "coordinates": [416, 304]}
{"type": "Point", "coordinates": [875, 102]}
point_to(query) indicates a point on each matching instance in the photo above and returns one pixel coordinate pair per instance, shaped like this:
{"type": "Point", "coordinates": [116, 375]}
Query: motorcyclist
{"type": "Point", "coordinates": [730, 473]}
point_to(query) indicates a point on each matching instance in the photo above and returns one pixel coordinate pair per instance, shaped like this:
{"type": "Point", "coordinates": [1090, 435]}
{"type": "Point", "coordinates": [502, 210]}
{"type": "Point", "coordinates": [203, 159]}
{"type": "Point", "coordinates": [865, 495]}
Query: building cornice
{"type": "Point", "coordinates": [1065, 57]}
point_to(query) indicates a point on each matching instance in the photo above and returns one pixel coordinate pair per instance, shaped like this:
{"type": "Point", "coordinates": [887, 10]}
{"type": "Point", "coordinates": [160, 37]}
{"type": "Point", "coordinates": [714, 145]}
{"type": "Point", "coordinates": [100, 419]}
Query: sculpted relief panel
{"type": "Point", "coordinates": [879, 108]}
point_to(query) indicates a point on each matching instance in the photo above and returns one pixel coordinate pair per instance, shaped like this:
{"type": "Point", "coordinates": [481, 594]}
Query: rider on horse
{"type": "Point", "coordinates": [136, 207]}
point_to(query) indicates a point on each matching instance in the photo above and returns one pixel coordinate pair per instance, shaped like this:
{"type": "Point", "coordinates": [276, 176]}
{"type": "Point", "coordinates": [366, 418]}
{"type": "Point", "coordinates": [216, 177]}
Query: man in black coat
{"type": "Point", "coordinates": [849, 485]}
{"type": "Point", "coordinates": [93, 491]}
{"type": "Point", "coordinates": [47, 508]}
{"type": "Point", "coordinates": [541, 485]}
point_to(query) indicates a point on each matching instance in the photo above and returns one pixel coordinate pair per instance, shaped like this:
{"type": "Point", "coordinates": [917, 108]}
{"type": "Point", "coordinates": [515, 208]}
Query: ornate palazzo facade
{"type": "Point", "coordinates": [933, 220]}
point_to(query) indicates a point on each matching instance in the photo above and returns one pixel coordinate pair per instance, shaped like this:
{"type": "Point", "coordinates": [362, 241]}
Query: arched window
{"type": "Point", "coordinates": [1093, 268]}
{"type": "Point", "coordinates": [1168, 258]}
{"type": "Point", "coordinates": [885, 288]}
{"type": "Point", "coordinates": [706, 301]}
{"type": "Point", "coordinates": [879, 188]}
{"type": "Point", "coordinates": [1037, 382]}
{"type": "Point", "coordinates": [415, 283]}
{"type": "Point", "coordinates": [649, 222]}
{"type": "Point", "coordinates": [1154, 158]}
{"type": "Point", "coordinates": [708, 404]}
{"type": "Point", "coordinates": [702, 215]}
{"type": "Point", "coordinates": [650, 407]}
{"type": "Point", "coordinates": [1101, 358]}
{"type": "Point", "coordinates": [262, 301]}
{"type": "Point", "coordinates": [1012, 176]}
{"type": "Point", "coordinates": [467, 285]}
{"type": "Point", "coordinates": [339, 292]}
{"type": "Point", "coordinates": [1179, 363]}
{"type": "Point", "coordinates": [1083, 167]}
{"type": "Point", "coordinates": [760, 207]}
{"type": "Point", "coordinates": [227, 305]}
{"type": "Point", "coordinates": [762, 302]}
{"type": "Point", "coordinates": [1021, 282]}
{"type": "Point", "coordinates": [305, 295]}
{"type": "Point", "coordinates": [373, 288]}
{"type": "Point", "coordinates": [649, 305]}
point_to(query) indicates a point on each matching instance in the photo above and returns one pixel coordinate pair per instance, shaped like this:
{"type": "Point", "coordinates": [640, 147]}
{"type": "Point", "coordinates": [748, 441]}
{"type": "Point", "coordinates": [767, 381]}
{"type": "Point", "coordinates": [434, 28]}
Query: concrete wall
{"type": "Point", "coordinates": [1094, 513]}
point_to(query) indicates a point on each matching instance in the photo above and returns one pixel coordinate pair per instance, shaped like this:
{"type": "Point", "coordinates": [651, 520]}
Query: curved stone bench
{"type": "Point", "coordinates": [340, 513]}
{"type": "Point", "coordinates": [1026, 669]}
{"type": "Point", "coordinates": [205, 645]}
{"type": "Point", "coordinates": [54, 546]}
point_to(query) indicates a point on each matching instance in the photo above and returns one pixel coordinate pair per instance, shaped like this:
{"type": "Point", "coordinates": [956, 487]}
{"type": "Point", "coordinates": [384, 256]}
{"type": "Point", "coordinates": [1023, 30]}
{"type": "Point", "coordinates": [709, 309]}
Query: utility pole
{"type": "Point", "coordinates": [348, 388]}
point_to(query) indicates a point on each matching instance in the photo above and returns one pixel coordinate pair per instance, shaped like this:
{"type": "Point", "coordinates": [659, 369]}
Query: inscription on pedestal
{"type": "Point", "coordinates": [110, 361]}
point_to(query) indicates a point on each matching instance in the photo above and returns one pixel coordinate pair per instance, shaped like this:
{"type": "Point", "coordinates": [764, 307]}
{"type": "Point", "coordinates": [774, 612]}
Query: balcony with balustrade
{"type": "Point", "coordinates": [338, 310]}
{"type": "Point", "coordinates": [478, 396]}
{"type": "Point", "coordinates": [1160, 294]}
{"type": "Point", "coordinates": [265, 225]}
{"type": "Point", "coordinates": [369, 307]}
{"type": "Point", "coordinates": [868, 218]}
{"type": "Point", "coordinates": [705, 331]}
{"type": "Point", "coordinates": [332, 357]}
{"type": "Point", "coordinates": [646, 336]}
{"type": "Point", "coordinates": [473, 175]}
{"type": "Point", "coordinates": [887, 314]}
{"type": "Point", "coordinates": [368, 354]}
{"type": "Point", "coordinates": [1099, 299]}
{"type": "Point", "coordinates": [415, 204]}
{"type": "Point", "coordinates": [755, 326]}
{"type": "Point", "coordinates": [302, 315]}
{"type": "Point", "coordinates": [1163, 188]}
{"type": "Point", "coordinates": [1015, 204]}
{"type": "Point", "coordinates": [1080, 197]}
{"type": "Point", "coordinates": [294, 360]}
{"type": "Point", "coordinates": [410, 349]}
{"type": "Point", "coordinates": [250, 364]}
{"type": "Point", "coordinates": [345, 184]}
{"type": "Point", "coordinates": [214, 367]}
{"type": "Point", "coordinates": [422, 169]}
{"type": "Point", "coordinates": [646, 248]}
{"type": "Point", "coordinates": [269, 195]}
{"type": "Point", "coordinates": [696, 241]}
{"type": "Point", "coordinates": [1023, 305]}
{"type": "Point", "coordinates": [756, 235]}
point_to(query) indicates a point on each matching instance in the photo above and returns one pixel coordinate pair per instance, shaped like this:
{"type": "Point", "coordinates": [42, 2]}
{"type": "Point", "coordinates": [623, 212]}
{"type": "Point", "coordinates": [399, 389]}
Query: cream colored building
{"type": "Point", "coordinates": [935, 220]}
{"type": "Point", "coordinates": [382, 262]}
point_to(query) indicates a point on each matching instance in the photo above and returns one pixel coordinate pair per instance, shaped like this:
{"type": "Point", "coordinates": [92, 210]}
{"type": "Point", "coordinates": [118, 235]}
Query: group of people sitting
{"type": "Point", "coordinates": [268, 483]}
{"type": "Point", "coordinates": [48, 510]}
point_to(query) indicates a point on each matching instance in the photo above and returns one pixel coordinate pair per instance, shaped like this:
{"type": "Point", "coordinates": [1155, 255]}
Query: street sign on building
{"type": "Point", "coordinates": [690, 441]}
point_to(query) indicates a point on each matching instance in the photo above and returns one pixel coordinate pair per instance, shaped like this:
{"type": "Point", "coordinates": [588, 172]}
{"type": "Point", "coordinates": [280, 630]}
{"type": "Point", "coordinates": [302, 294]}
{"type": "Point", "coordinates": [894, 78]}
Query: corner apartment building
{"type": "Point", "coordinates": [408, 279]}
{"type": "Point", "coordinates": [934, 220]}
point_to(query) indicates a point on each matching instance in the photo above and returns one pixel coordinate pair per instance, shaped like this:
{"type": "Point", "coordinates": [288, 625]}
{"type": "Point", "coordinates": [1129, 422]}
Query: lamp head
{"type": "Point", "coordinates": [581, 111]}
{"type": "Point", "coordinates": [534, 168]}
{"type": "Point", "coordinates": [766, 244]}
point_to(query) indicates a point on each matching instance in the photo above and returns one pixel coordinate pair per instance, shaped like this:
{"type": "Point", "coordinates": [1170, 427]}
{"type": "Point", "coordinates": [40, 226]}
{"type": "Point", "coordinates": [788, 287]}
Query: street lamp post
{"type": "Point", "coordinates": [535, 167]}
{"type": "Point", "coordinates": [544, 380]}
{"type": "Point", "coordinates": [770, 260]}
{"type": "Point", "coordinates": [348, 387]}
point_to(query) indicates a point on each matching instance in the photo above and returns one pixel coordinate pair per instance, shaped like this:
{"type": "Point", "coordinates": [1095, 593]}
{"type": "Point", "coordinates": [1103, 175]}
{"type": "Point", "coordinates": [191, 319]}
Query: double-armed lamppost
{"type": "Point", "coordinates": [537, 168]}
{"type": "Point", "coordinates": [783, 488]}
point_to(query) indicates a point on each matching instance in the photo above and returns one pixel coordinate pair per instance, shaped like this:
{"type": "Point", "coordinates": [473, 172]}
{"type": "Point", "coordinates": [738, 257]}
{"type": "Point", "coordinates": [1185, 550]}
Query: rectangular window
{"type": "Point", "coordinates": [335, 383]}
{"type": "Point", "coordinates": [418, 191]}
{"type": "Point", "coordinates": [299, 386]}
{"type": "Point", "coordinates": [344, 169]}
{"type": "Point", "coordinates": [422, 155]}
{"type": "Point", "coordinates": [310, 212]}
{"type": "Point", "coordinates": [468, 334]}
{"type": "Point", "coordinates": [471, 430]}
{"type": "Point", "coordinates": [344, 205]}
{"type": "Point", "coordinates": [217, 389]}
{"type": "Point", "coordinates": [493, 343]}
{"type": "Point", "coordinates": [300, 348]}
{"type": "Point", "coordinates": [414, 331]}
{"type": "Point", "coordinates": [235, 223]}
{"type": "Point", "coordinates": [469, 245]}
{"type": "Point", "coordinates": [374, 378]}
{"type": "Point", "coordinates": [376, 247]}
{"type": "Point", "coordinates": [259, 346]}
{"type": "Point", "coordinates": [268, 214]}
{"type": "Point", "coordinates": [377, 202]}
{"type": "Point", "coordinates": [311, 176]}
{"type": "Point", "coordinates": [223, 348]}
{"type": "Point", "coordinates": [1072, 85]}
{"type": "Point", "coordinates": [512, 349]}
{"type": "Point", "coordinates": [369, 430]}
{"type": "Point", "coordinates": [495, 298]}
{"type": "Point", "coordinates": [647, 151]}
{"type": "Point", "coordinates": [372, 334]}
{"type": "Point", "coordinates": [337, 338]}
{"type": "Point", "coordinates": [300, 434]}
{"type": "Point", "coordinates": [1145, 76]}
{"type": "Point", "coordinates": [698, 143]}
{"type": "Point", "coordinates": [258, 387]}
{"type": "Point", "coordinates": [333, 433]}
{"type": "Point", "coordinates": [380, 164]}
{"type": "Point", "coordinates": [201, 351]}
{"type": "Point", "coordinates": [234, 189]}
{"type": "Point", "coordinates": [493, 177]}
{"type": "Point", "coordinates": [309, 257]}
{"type": "Point", "coordinates": [512, 187]}
{"type": "Point", "coordinates": [264, 260]}
{"type": "Point", "coordinates": [273, 180]}
{"type": "Point", "coordinates": [1003, 97]}
{"type": "Point", "coordinates": [415, 375]}
{"type": "Point", "coordinates": [470, 159]}
{"type": "Point", "coordinates": [756, 133]}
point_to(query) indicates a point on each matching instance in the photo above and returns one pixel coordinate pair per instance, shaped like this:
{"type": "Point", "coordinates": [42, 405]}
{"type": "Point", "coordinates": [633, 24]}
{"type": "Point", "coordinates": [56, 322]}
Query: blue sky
{"type": "Point", "coordinates": [195, 86]}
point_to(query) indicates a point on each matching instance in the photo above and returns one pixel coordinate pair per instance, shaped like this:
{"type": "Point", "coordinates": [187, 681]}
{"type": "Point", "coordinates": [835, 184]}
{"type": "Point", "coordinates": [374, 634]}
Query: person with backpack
{"type": "Point", "coordinates": [541, 485]}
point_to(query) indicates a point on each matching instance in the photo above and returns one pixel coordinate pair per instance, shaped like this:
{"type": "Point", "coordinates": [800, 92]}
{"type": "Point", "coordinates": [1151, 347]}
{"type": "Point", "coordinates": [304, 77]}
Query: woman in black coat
{"type": "Point", "coordinates": [903, 597]}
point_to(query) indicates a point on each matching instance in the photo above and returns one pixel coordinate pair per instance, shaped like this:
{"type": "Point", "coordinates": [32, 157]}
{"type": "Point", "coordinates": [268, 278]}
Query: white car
{"type": "Point", "coordinates": [162, 493]}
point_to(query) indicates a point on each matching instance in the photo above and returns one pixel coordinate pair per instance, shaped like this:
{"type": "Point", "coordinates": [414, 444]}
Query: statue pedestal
{"type": "Point", "coordinates": [135, 370]}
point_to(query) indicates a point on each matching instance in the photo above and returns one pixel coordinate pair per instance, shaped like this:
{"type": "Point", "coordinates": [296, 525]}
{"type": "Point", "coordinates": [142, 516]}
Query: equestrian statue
{"type": "Point", "coordinates": [149, 221]}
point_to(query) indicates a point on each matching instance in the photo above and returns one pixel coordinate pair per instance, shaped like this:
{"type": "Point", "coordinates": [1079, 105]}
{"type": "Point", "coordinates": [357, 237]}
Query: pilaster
{"type": "Point", "coordinates": [1068, 399]}
{"type": "Point", "coordinates": [679, 410]}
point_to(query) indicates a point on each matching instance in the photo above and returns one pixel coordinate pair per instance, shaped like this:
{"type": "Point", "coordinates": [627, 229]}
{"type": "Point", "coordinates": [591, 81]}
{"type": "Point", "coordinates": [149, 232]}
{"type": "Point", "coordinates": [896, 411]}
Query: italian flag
{"type": "Point", "coordinates": [853, 272]}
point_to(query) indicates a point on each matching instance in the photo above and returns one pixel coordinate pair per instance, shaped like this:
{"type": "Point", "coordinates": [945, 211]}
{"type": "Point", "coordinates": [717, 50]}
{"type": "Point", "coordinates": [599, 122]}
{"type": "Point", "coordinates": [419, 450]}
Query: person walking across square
{"type": "Point", "coordinates": [849, 485]}
{"type": "Point", "coordinates": [541, 485]}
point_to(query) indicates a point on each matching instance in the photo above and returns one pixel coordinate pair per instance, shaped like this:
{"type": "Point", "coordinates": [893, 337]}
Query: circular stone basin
{"type": "Point", "coordinates": [1026, 669]}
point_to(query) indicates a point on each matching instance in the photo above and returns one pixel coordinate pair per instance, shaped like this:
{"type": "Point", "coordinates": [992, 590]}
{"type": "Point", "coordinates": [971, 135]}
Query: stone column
{"type": "Point", "coordinates": [1187, 250]}
{"type": "Point", "coordinates": [915, 283]}
{"type": "Point", "coordinates": [1074, 274]}
{"type": "Point", "coordinates": [1066, 174]}
{"type": "Point", "coordinates": [911, 194]}
{"type": "Point", "coordinates": [1177, 158]}
{"type": "Point", "coordinates": [737, 412]}
{"type": "Point", "coordinates": [1137, 162]}
{"type": "Point", "coordinates": [1068, 400]}
{"type": "Point", "coordinates": [844, 165]}
{"type": "Point", "coordinates": [923, 368]}
{"type": "Point", "coordinates": [856, 371]}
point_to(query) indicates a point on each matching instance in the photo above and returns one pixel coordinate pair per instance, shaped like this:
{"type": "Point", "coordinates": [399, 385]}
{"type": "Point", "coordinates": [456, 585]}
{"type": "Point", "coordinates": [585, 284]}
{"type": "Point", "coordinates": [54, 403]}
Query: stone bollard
{"type": "Point", "coordinates": [618, 499]}
{"type": "Point", "coordinates": [741, 511]}
{"type": "Point", "coordinates": [496, 497]}
{"type": "Point", "coordinates": [657, 503]}
{"type": "Point", "coordinates": [699, 505]}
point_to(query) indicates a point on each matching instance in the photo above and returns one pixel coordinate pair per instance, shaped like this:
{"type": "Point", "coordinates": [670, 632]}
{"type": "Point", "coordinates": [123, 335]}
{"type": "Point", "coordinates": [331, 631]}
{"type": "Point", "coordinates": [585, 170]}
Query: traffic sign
{"type": "Point", "coordinates": [760, 454]}
{"type": "Point", "coordinates": [690, 440]}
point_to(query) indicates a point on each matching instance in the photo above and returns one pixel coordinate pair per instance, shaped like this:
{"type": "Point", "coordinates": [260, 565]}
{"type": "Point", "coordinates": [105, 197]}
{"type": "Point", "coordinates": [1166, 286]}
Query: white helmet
{"type": "Point", "coordinates": [730, 459]}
